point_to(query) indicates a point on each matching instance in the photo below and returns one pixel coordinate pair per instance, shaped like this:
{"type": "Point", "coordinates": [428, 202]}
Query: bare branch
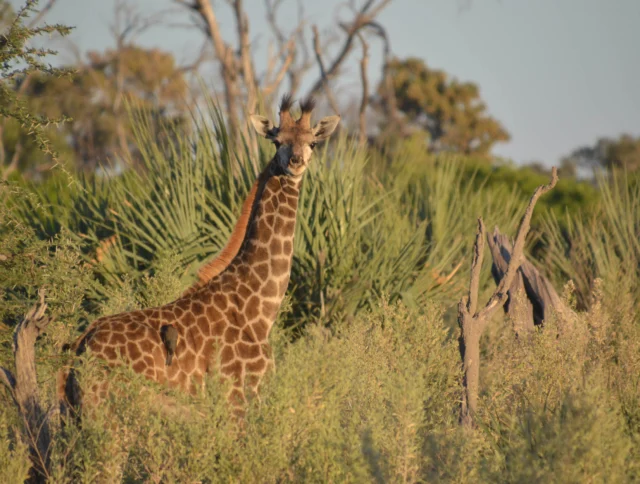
{"type": "Point", "coordinates": [277, 79]}
{"type": "Point", "coordinates": [242, 24]}
{"type": "Point", "coordinates": [364, 62]}
{"type": "Point", "coordinates": [323, 74]}
{"type": "Point", "coordinates": [224, 53]}
{"type": "Point", "coordinates": [362, 19]}
{"type": "Point", "coordinates": [271, 7]}
{"type": "Point", "coordinates": [289, 49]}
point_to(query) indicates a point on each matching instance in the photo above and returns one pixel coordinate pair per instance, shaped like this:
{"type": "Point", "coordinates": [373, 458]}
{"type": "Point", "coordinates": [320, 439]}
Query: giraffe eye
{"type": "Point", "coordinates": [312, 145]}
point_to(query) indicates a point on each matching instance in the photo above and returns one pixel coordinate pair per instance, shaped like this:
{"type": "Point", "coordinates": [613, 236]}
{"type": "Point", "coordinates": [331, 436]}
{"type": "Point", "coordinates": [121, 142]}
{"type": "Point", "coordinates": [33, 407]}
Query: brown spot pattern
{"type": "Point", "coordinates": [232, 314]}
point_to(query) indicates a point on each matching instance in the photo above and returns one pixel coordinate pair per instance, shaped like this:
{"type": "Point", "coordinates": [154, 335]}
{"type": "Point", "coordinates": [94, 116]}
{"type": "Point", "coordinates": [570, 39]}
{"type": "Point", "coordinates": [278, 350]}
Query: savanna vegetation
{"type": "Point", "coordinates": [369, 381]}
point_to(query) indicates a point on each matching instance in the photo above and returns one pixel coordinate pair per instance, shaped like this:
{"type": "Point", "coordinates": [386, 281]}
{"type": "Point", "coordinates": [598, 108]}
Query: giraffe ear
{"type": "Point", "coordinates": [262, 125]}
{"type": "Point", "coordinates": [325, 127]}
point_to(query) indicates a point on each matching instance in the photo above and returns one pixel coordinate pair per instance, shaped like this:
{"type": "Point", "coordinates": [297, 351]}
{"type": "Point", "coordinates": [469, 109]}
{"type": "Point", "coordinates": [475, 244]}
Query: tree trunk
{"type": "Point", "coordinates": [24, 390]}
{"type": "Point", "coordinates": [469, 344]}
{"type": "Point", "coordinates": [518, 305]}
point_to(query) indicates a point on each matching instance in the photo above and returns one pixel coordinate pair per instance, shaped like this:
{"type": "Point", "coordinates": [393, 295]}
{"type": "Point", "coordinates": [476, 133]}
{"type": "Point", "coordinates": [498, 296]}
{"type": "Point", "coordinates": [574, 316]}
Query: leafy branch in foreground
{"type": "Point", "coordinates": [18, 62]}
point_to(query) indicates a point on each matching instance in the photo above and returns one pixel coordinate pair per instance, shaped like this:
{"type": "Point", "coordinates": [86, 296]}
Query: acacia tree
{"type": "Point", "coordinates": [451, 112]}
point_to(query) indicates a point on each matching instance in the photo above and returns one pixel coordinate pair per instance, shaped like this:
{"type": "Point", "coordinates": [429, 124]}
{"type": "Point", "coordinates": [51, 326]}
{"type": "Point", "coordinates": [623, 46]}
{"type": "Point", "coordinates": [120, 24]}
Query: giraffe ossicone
{"type": "Point", "coordinates": [222, 323]}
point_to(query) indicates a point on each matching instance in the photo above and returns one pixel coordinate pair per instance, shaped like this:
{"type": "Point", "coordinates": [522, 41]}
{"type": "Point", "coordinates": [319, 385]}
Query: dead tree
{"type": "Point", "coordinates": [363, 18]}
{"type": "Point", "coordinates": [243, 88]}
{"type": "Point", "coordinates": [23, 387]}
{"type": "Point", "coordinates": [472, 321]}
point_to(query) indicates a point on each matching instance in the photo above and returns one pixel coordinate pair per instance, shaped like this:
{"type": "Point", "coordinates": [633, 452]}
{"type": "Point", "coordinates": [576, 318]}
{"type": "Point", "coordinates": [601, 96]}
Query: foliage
{"type": "Point", "coordinates": [554, 406]}
{"type": "Point", "coordinates": [128, 225]}
{"type": "Point", "coordinates": [376, 400]}
{"type": "Point", "coordinates": [18, 61]}
{"type": "Point", "coordinates": [609, 154]}
{"type": "Point", "coordinates": [14, 455]}
{"type": "Point", "coordinates": [101, 130]}
{"type": "Point", "coordinates": [449, 111]}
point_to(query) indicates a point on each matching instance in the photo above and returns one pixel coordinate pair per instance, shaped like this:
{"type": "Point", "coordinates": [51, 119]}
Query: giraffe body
{"type": "Point", "coordinates": [224, 322]}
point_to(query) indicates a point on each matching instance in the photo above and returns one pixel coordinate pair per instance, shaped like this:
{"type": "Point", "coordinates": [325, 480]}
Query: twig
{"type": "Point", "coordinates": [363, 17]}
{"type": "Point", "coordinates": [323, 73]}
{"type": "Point", "coordinates": [364, 62]}
{"type": "Point", "coordinates": [289, 49]}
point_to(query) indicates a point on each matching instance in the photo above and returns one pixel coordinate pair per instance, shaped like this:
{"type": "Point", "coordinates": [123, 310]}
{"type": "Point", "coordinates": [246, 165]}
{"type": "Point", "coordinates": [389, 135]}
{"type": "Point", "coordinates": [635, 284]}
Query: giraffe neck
{"type": "Point", "coordinates": [268, 245]}
{"type": "Point", "coordinates": [256, 280]}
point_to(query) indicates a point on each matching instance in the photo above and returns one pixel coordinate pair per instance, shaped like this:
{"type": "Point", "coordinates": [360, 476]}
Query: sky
{"type": "Point", "coordinates": [558, 74]}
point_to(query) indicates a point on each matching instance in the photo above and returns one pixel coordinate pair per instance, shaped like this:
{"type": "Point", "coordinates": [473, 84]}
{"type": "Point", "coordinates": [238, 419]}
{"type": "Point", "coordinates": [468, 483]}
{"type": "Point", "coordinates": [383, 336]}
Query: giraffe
{"type": "Point", "coordinates": [227, 315]}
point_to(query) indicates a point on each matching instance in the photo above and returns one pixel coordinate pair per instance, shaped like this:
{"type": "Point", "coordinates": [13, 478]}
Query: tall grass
{"type": "Point", "coordinates": [361, 231]}
{"type": "Point", "coordinates": [604, 244]}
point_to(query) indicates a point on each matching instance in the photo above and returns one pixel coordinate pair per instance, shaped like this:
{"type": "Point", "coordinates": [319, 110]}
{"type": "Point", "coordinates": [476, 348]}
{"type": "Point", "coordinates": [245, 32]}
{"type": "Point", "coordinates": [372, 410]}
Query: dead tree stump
{"type": "Point", "coordinates": [23, 388]}
{"type": "Point", "coordinates": [531, 297]}
{"type": "Point", "coordinates": [472, 321]}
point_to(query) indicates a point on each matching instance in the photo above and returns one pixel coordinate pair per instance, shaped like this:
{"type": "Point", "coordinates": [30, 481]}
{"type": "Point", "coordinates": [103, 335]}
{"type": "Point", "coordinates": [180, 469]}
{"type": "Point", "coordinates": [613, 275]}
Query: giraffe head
{"type": "Point", "coordinates": [294, 139]}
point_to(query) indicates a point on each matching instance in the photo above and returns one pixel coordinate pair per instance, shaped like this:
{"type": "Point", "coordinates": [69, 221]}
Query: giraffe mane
{"type": "Point", "coordinates": [214, 267]}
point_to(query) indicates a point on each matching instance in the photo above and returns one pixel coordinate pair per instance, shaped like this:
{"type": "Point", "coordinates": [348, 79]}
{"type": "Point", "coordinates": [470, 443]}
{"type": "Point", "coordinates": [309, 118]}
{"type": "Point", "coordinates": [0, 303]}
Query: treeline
{"type": "Point", "coordinates": [81, 109]}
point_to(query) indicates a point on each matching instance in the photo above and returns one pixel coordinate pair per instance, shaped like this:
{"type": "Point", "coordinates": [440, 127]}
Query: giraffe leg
{"type": "Point", "coordinates": [253, 381]}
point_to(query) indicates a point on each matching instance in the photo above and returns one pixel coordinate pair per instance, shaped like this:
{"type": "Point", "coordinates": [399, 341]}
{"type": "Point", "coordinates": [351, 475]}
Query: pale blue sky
{"type": "Point", "coordinates": [557, 73]}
